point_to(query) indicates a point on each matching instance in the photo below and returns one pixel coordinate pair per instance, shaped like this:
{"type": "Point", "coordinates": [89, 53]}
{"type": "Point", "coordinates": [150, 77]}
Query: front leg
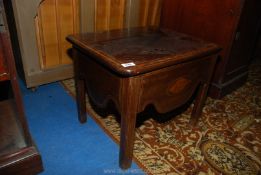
{"type": "Point", "coordinates": [80, 99]}
{"type": "Point", "coordinates": [130, 94]}
{"type": "Point", "coordinates": [80, 89]}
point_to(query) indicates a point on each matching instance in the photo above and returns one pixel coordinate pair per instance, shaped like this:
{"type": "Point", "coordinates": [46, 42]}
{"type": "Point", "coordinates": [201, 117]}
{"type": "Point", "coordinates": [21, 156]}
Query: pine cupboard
{"type": "Point", "coordinates": [41, 28]}
{"type": "Point", "coordinates": [43, 24]}
{"type": "Point", "coordinates": [233, 24]}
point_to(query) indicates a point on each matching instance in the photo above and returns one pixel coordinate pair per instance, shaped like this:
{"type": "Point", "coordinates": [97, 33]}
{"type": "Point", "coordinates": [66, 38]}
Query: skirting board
{"type": "Point", "coordinates": [217, 91]}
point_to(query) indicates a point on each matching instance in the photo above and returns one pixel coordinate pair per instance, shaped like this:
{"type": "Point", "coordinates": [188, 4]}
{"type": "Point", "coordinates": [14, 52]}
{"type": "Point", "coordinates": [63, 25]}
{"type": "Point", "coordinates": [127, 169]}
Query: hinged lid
{"type": "Point", "coordinates": [139, 50]}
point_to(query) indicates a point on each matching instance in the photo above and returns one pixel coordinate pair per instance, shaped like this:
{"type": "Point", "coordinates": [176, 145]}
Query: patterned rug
{"type": "Point", "coordinates": [227, 139]}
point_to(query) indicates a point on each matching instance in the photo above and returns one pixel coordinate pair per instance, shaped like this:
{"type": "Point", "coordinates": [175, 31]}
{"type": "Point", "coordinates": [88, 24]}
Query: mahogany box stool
{"type": "Point", "coordinates": [137, 67]}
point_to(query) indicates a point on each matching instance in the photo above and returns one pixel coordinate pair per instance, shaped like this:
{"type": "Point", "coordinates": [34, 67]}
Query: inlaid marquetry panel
{"type": "Point", "coordinates": [179, 85]}
{"type": "Point", "coordinates": [54, 21]}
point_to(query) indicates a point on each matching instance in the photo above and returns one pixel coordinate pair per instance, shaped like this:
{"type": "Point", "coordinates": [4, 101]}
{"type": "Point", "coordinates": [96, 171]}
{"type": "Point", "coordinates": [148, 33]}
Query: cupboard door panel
{"type": "Point", "coordinates": [117, 9]}
{"type": "Point", "coordinates": [65, 18]}
{"type": "Point", "coordinates": [213, 21]}
{"type": "Point", "coordinates": [102, 12]}
{"type": "Point", "coordinates": [55, 20]}
{"type": "Point", "coordinates": [232, 24]}
{"type": "Point", "coordinates": [150, 12]}
{"type": "Point", "coordinates": [116, 14]}
{"type": "Point", "coordinates": [244, 42]}
{"type": "Point", "coordinates": [48, 27]}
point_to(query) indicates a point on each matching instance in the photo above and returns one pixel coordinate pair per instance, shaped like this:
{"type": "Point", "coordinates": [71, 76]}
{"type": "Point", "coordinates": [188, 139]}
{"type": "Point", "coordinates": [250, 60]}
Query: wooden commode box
{"type": "Point", "coordinates": [139, 67]}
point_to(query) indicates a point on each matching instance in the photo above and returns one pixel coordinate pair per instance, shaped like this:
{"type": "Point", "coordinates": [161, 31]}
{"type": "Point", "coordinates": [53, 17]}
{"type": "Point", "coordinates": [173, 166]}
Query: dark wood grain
{"type": "Point", "coordinates": [231, 24]}
{"type": "Point", "coordinates": [80, 88]}
{"type": "Point", "coordinates": [3, 69]}
{"type": "Point", "coordinates": [173, 85]}
{"type": "Point", "coordinates": [214, 21]}
{"type": "Point", "coordinates": [16, 156]}
{"type": "Point", "coordinates": [149, 49]}
{"type": "Point", "coordinates": [18, 153]}
{"type": "Point", "coordinates": [9, 127]}
{"type": "Point", "coordinates": [27, 162]}
{"type": "Point", "coordinates": [11, 70]}
{"type": "Point", "coordinates": [168, 68]}
{"type": "Point", "coordinates": [129, 101]}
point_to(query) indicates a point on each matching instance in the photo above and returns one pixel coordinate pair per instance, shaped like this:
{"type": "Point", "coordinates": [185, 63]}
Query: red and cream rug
{"type": "Point", "coordinates": [227, 139]}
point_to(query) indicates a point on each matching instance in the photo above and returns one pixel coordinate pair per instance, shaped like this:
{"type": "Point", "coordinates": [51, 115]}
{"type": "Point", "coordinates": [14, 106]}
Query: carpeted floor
{"type": "Point", "coordinates": [226, 140]}
{"type": "Point", "coordinates": [66, 146]}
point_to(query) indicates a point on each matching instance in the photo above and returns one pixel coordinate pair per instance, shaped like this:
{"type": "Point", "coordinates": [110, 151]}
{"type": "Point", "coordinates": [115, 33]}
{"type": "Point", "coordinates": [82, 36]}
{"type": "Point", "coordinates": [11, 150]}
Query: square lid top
{"type": "Point", "coordinates": [135, 51]}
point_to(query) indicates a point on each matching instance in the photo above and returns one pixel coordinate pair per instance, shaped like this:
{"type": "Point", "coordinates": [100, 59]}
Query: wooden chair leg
{"type": "Point", "coordinates": [129, 106]}
{"type": "Point", "coordinates": [199, 103]}
{"type": "Point", "coordinates": [128, 122]}
{"type": "Point", "coordinates": [80, 99]}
